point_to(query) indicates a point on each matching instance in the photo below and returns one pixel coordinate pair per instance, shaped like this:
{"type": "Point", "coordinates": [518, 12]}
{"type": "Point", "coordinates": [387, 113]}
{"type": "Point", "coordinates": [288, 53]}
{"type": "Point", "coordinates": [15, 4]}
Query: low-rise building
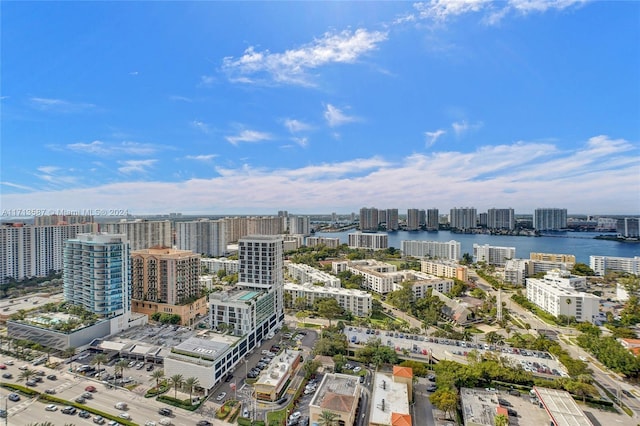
{"type": "Point", "coordinates": [446, 269]}
{"type": "Point", "coordinates": [558, 296]}
{"type": "Point", "coordinates": [603, 264]}
{"type": "Point", "coordinates": [357, 302]}
{"type": "Point", "coordinates": [493, 255]}
{"type": "Point", "coordinates": [326, 241]}
{"type": "Point", "coordinates": [303, 273]}
{"type": "Point", "coordinates": [449, 250]}
{"type": "Point", "coordinates": [338, 394]}
{"type": "Point", "coordinates": [213, 265]}
{"type": "Point", "coordinates": [271, 383]}
{"type": "Point", "coordinates": [561, 407]}
{"type": "Point", "coordinates": [390, 398]}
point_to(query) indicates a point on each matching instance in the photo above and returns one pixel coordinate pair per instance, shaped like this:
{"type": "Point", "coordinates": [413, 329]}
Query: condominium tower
{"type": "Point", "coordinates": [141, 233]}
{"type": "Point", "coordinates": [549, 219]}
{"type": "Point", "coordinates": [202, 236]}
{"type": "Point", "coordinates": [501, 219]}
{"type": "Point", "coordinates": [463, 218]}
{"type": "Point", "coordinates": [97, 273]}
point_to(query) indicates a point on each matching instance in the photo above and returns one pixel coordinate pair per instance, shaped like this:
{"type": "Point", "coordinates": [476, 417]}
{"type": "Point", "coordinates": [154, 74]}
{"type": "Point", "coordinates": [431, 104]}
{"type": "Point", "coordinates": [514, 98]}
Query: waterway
{"type": "Point", "coordinates": [580, 244]}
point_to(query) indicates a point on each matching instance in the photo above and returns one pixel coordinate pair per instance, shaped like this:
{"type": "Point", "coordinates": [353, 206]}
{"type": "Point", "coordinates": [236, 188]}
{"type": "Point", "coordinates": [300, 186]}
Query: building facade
{"type": "Point", "coordinates": [432, 249]}
{"type": "Point", "coordinates": [204, 236]}
{"type": "Point", "coordinates": [628, 227]}
{"type": "Point", "coordinates": [501, 219]}
{"type": "Point", "coordinates": [303, 274]}
{"type": "Point", "coordinates": [433, 219]}
{"type": "Point", "coordinates": [143, 234]}
{"type": "Point", "coordinates": [549, 219]}
{"type": "Point", "coordinates": [557, 296]}
{"type": "Point", "coordinates": [357, 302]}
{"type": "Point", "coordinates": [392, 221]}
{"type": "Point", "coordinates": [445, 269]}
{"type": "Point", "coordinates": [603, 264]}
{"type": "Point", "coordinates": [413, 219]}
{"type": "Point", "coordinates": [326, 241]}
{"type": "Point", "coordinates": [35, 251]}
{"type": "Point", "coordinates": [369, 219]}
{"type": "Point", "coordinates": [371, 241]}
{"type": "Point", "coordinates": [463, 218]}
{"type": "Point", "coordinates": [493, 255]}
{"type": "Point", "coordinates": [97, 274]}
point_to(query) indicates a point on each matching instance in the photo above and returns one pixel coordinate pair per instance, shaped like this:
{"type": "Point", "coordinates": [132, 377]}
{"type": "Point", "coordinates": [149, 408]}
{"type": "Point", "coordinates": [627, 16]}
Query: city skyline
{"type": "Point", "coordinates": [211, 108]}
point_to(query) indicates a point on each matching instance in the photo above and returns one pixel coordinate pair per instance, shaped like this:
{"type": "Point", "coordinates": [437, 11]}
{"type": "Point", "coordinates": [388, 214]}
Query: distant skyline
{"type": "Point", "coordinates": [253, 107]}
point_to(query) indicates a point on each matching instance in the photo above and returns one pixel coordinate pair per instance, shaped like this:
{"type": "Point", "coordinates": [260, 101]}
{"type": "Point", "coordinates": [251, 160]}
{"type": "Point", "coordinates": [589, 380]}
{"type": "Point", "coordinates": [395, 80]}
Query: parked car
{"type": "Point", "coordinates": [204, 423]}
{"type": "Point", "coordinates": [14, 397]}
{"type": "Point", "coordinates": [69, 410]}
{"type": "Point", "coordinates": [52, 377]}
{"type": "Point", "coordinates": [51, 407]}
{"type": "Point", "coordinates": [84, 414]}
{"type": "Point", "coordinates": [80, 400]}
{"type": "Point", "coordinates": [221, 396]}
{"type": "Point", "coordinates": [90, 389]}
{"type": "Point", "coordinates": [99, 420]}
{"type": "Point", "coordinates": [87, 395]}
{"type": "Point", "coordinates": [31, 383]}
{"type": "Point", "coordinates": [7, 376]}
{"type": "Point", "coordinates": [50, 391]}
{"type": "Point", "coordinates": [150, 367]}
{"type": "Point", "coordinates": [3, 367]}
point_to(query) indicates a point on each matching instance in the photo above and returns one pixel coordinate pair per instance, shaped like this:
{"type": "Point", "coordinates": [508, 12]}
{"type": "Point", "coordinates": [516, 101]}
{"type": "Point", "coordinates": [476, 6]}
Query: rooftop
{"type": "Point", "coordinates": [388, 397]}
{"type": "Point", "coordinates": [562, 408]}
{"type": "Point", "coordinates": [337, 392]}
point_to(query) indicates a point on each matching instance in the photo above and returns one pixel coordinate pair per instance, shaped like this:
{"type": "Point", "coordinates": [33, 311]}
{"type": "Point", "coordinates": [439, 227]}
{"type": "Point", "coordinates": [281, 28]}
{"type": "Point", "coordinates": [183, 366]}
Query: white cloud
{"type": "Point", "coordinates": [335, 117]}
{"type": "Point", "coordinates": [598, 177]}
{"type": "Point", "coordinates": [303, 142]}
{"type": "Point", "coordinates": [200, 125]}
{"type": "Point", "coordinates": [249, 136]}
{"type": "Point", "coordinates": [462, 127]}
{"type": "Point", "coordinates": [292, 65]}
{"type": "Point", "coordinates": [207, 81]}
{"type": "Point", "coordinates": [205, 158]}
{"type": "Point", "coordinates": [17, 186]}
{"type": "Point", "coordinates": [48, 169]}
{"type": "Point", "coordinates": [101, 148]}
{"type": "Point", "coordinates": [295, 126]}
{"type": "Point", "coordinates": [59, 105]}
{"type": "Point", "coordinates": [432, 137]}
{"type": "Point", "coordinates": [180, 98]}
{"type": "Point", "coordinates": [134, 73]}
{"type": "Point", "coordinates": [135, 166]}
{"type": "Point", "coordinates": [492, 12]}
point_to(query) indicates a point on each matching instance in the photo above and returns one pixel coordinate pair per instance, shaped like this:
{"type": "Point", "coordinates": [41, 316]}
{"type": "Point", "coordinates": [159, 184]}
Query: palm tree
{"type": "Point", "coordinates": [158, 375]}
{"type": "Point", "coordinates": [501, 420]}
{"type": "Point", "coordinates": [120, 366]}
{"type": "Point", "coordinates": [176, 381]}
{"type": "Point", "coordinates": [99, 359]}
{"type": "Point", "coordinates": [568, 301]}
{"type": "Point", "coordinates": [328, 418]}
{"type": "Point", "coordinates": [26, 375]}
{"type": "Point", "coordinates": [191, 383]}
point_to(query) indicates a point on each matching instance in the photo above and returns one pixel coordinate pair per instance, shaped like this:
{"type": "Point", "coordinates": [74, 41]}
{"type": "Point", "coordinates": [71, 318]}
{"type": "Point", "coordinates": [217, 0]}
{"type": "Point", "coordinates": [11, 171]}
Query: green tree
{"type": "Point", "coordinates": [328, 418]}
{"type": "Point", "coordinates": [300, 304]}
{"type": "Point", "coordinates": [501, 420]}
{"type": "Point", "coordinates": [176, 381]}
{"type": "Point", "coordinates": [25, 375]}
{"type": "Point", "coordinates": [121, 366]}
{"type": "Point", "coordinates": [445, 400]}
{"type": "Point", "coordinates": [376, 353]}
{"type": "Point", "coordinates": [582, 269]}
{"type": "Point", "coordinates": [191, 383]}
{"type": "Point", "coordinates": [310, 367]}
{"type": "Point", "coordinates": [328, 308]}
{"type": "Point", "coordinates": [99, 359]}
{"type": "Point", "coordinates": [157, 375]}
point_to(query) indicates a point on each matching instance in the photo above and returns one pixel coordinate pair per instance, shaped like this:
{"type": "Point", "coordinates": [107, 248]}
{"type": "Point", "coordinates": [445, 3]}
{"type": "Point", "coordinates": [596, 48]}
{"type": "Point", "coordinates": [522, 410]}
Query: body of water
{"type": "Point", "coordinates": [580, 244]}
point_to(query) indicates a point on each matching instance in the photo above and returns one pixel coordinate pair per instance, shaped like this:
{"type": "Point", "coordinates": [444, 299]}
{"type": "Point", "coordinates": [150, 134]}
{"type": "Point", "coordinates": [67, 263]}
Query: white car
{"type": "Point", "coordinates": [124, 415]}
{"type": "Point", "coordinates": [51, 407]}
{"type": "Point", "coordinates": [9, 362]}
{"type": "Point", "coordinates": [357, 369]}
{"type": "Point", "coordinates": [295, 415]}
{"type": "Point", "coordinates": [221, 396]}
{"type": "Point", "coordinates": [149, 423]}
{"type": "Point", "coordinates": [165, 421]}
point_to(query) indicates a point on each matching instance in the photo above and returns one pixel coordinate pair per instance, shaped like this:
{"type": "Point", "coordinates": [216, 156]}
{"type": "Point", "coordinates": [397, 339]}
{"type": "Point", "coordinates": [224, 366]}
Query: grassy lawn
{"type": "Point", "coordinates": [277, 417]}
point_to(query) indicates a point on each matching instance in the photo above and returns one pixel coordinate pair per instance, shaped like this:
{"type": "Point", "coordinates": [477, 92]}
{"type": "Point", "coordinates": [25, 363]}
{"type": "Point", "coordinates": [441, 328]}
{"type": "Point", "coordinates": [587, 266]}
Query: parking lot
{"type": "Point", "coordinates": [540, 363]}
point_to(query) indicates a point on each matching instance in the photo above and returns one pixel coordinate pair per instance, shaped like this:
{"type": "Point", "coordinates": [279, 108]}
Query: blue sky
{"type": "Point", "coordinates": [254, 107]}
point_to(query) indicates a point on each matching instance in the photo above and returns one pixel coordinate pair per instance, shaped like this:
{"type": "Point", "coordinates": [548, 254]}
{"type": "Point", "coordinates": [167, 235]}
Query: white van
{"type": "Point", "coordinates": [121, 405]}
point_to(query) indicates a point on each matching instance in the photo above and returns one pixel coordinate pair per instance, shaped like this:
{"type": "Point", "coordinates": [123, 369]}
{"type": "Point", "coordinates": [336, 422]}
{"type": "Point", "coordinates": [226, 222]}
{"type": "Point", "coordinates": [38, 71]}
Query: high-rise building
{"type": "Point", "coordinates": [392, 220]}
{"type": "Point", "coordinates": [266, 225]}
{"type": "Point", "coordinates": [142, 233]}
{"type": "Point", "coordinates": [97, 274]}
{"type": "Point", "coordinates": [382, 216]}
{"type": "Point", "coordinates": [202, 236]}
{"type": "Point", "coordinates": [35, 251]}
{"type": "Point", "coordinates": [413, 219]}
{"type": "Point", "coordinates": [369, 219]}
{"type": "Point", "coordinates": [549, 219]}
{"type": "Point", "coordinates": [299, 225]}
{"type": "Point", "coordinates": [368, 240]}
{"type": "Point", "coordinates": [432, 249]}
{"type": "Point", "coordinates": [501, 219]}
{"type": "Point", "coordinates": [493, 255]}
{"type": "Point", "coordinates": [433, 219]}
{"type": "Point", "coordinates": [165, 275]}
{"type": "Point", "coordinates": [422, 217]}
{"type": "Point", "coordinates": [62, 219]}
{"type": "Point", "coordinates": [167, 281]}
{"type": "Point", "coordinates": [628, 227]}
{"type": "Point", "coordinates": [463, 218]}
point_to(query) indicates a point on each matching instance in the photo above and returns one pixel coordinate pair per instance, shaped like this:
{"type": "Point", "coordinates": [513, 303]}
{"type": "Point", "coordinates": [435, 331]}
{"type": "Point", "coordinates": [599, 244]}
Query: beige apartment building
{"type": "Point", "coordinates": [167, 281]}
